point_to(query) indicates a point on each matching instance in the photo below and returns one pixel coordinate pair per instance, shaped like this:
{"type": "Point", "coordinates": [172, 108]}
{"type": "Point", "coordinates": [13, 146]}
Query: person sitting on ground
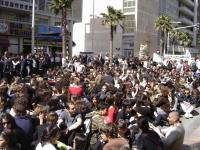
{"type": "Point", "coordinates": [71, 120]}
{"type": "Point", "coordinates": [49, 138]}
{"type": "Point", "coordinates": [8, 123]}
{"type": "Point", "coordinates": [51, 119]}
{"type": "Point", "coordinates": [173, 135]}
{"type": "Point", "coordinates": [109, 135]}
{"type": "Point", "coordinates": [148, 139]}
{"type": "Point", "coordinates": [8, 141]}
{"type": "Point", "coordinates": [97, 120]}
{"type": "Point", "coordinates": [162, 105]}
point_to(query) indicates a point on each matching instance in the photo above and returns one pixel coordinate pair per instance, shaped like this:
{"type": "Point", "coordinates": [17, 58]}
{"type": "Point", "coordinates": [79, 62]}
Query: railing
{"type": "Point", "coordinates": [15, 19]}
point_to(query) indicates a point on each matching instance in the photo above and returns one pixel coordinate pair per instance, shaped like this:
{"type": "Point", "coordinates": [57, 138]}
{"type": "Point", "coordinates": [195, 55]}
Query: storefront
{"type": "Point", "coordinates": [4, 31]}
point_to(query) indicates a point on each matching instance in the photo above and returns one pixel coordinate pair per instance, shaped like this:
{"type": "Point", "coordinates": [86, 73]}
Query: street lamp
{"type": "Point", "coordinates": [33, 28]}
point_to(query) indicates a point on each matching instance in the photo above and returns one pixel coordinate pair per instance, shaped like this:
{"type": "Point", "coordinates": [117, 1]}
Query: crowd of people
{"type": "Point", "coordinates": [91, 104]}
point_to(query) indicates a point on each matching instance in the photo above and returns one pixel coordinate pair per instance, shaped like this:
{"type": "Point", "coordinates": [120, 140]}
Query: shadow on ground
{"type": "Point", "coordinates": [195, 146]}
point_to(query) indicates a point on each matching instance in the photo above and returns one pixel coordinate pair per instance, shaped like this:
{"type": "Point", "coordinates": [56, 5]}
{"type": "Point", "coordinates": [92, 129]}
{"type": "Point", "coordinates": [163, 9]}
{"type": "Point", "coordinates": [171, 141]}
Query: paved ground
{"type": "Point", "coordinates": [192, 132]}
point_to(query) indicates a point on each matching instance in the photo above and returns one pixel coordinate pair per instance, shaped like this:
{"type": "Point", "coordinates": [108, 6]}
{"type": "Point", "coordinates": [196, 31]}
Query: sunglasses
{"type": "Point", "coordinates": [4, 123]}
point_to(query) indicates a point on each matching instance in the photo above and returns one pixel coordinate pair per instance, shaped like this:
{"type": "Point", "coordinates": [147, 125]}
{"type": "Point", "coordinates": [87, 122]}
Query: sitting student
{"type": "Point", "coordinates": [97, 122]}
{"type": "Point", "coordinates": [109, 134]}
{"type": "Point", "coordinates": [52, 119]}
{"type": "Point", "coordinates": [3, 108]}
{"type": "Point", "coordinates": [186, 106]}
{"type": "Point", "coordinates": [162, 105]}
{"type": "Point", "coordinates": [173, 135]}
{"type": "Point", "coordinates": [49, 138]}
{"type": "Point", "coordinates": [8, 123]}
{"type": "Point", "coordinates": [72, 122]}
{"type": "Point", "coordinates": [148, 139]}
{"type": "Point", "coordinates": [112, 111]}
{"type": "Point", "coordinates": [8, 141]}
{"type": "Point", "coordinates": [195, 98]}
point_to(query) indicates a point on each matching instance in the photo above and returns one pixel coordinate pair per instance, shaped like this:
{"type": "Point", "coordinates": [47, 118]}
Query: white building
{"type": "Point", "coordinates": [83, 32]}
{"type": "Point", "coordinates": [97, 38]}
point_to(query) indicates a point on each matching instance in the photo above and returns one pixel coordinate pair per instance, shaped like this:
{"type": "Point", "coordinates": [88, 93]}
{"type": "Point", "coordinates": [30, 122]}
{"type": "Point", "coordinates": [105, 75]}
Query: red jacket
{"type": "Point", "coordinates": [112, 115]}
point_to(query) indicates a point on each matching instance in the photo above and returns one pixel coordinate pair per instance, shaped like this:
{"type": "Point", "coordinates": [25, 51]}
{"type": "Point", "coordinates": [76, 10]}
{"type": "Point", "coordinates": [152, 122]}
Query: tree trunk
{"type": "Point", "coordinates": [162, 44]}
{"type": "Point", "coordinates": [64, 35]}
{"type": "Point", "coordinates": [165, 44]}
{"type": "Point", "coordinates": [173, 49]}
{"type": "Point", "coordinates": [111, 45]}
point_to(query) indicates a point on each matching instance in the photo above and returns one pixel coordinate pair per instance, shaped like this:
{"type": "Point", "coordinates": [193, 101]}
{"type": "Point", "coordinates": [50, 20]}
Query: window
{"type": "Point", "coordinates": [11, 4]}
{"type": "Point", "coordinates": [129, 23]}
{"type": "Point", "coordinates": [6, 3]}
{"type": "Point", "coordinates": [16, 5]}
{"type": "Point", "coordinates": [30, 7]}
{"type": "Point", "coordinates": [129, 3]}
{"type": "Point", "coordinates": [21, 5]}
{"type": "Point", "coordinates": [1, 2]}
{"type": "Point", "coordinates": [26, 7]}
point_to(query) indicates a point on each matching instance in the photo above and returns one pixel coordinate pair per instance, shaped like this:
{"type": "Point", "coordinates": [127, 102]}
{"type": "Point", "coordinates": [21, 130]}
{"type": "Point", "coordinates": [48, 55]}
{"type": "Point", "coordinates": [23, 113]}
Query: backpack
{"type": "Point", "coordinates": [193, 66]}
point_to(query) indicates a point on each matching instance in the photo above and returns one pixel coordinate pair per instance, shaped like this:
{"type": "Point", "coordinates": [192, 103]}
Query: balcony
{"type": "Point", "coordinates": [16, 19]}
{"type": "Point", "coordinates": [186, 11]}
{"type": "Point", "coordinates": [189, 3]}
{"type": "Point", "coordinates": [19, 5]}
{"type": "Point", "coordinates": [186, 21]}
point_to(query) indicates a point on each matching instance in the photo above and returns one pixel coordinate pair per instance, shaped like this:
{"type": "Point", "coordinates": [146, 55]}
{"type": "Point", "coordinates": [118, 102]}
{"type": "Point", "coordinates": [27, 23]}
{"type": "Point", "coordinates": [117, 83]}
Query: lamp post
{"type": "Point", "coordinates": [184, 27]}
{"type": "Point", "coordinates": [33, 28]}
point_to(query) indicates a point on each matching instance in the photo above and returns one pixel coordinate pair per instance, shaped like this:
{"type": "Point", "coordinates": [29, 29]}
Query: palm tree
{"type": "Point", "coordinates": [112, 19]}
{"type": "Point", "coordinates": [174, 35]}
{"type": "Point", "coordinates": [185, 39]}
{"type": "Point", "coordinates": [62, 6]}
{"type": "Point", "coordinates": [164, 25]}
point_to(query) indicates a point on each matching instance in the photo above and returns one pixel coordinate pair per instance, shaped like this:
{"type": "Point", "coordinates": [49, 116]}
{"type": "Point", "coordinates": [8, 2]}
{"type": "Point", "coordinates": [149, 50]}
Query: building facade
{"type": "Point", "coordinates": [140, 16]}
{"type": "Point", "coordinates": [198, 34]}
{"type": "Point", "coordinates": [184, 12]}
{"type": "Point", "coordinates": [97, 38]}
{"type": "Point", "coordinates": [139, 26]}
{"type": "Point", "coordinates": [15, 23]}
{"type": "Point", "coordinates": [129, 27]}
{"type": "Point", "coordinates": [90, 35]}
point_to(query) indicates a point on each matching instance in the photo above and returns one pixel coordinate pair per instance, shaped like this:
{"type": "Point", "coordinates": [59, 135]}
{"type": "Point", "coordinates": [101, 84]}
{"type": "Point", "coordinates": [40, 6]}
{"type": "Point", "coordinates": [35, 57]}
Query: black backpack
{"type": "Point", "coordinates": [193, 66]}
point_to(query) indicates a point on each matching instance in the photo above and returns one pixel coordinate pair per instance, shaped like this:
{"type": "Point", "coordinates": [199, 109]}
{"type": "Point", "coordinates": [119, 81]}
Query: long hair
{"type": "Point", "coordinates": [143, 124]}
{"type": "Point", "coordinates": [49, 133]}
{"type": "Point", "coordinates": [10, 119]}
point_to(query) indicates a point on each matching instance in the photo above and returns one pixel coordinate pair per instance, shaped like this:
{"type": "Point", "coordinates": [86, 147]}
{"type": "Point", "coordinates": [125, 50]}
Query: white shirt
{"type": "Point", "coordinates": [47, 146]}
{"type": "Point", "coordinates": [198, 64]}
